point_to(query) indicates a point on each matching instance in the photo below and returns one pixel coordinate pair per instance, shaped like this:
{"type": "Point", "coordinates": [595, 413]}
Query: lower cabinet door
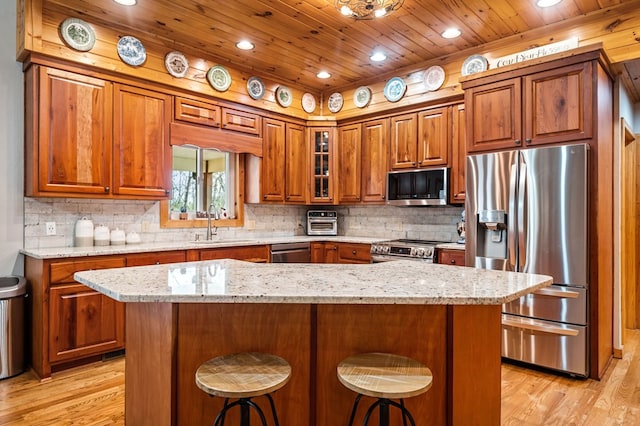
{"type": "Point", "coordinates": [83, 322]}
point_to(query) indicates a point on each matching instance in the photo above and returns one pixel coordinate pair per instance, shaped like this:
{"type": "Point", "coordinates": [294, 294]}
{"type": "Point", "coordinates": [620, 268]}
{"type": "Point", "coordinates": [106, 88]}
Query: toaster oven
{"type": "Point", "coordinates": [322, 222]}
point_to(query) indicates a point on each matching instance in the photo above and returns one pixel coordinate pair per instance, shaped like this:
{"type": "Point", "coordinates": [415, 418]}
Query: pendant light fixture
{"type": "Point", "coordinates": [367, 9]}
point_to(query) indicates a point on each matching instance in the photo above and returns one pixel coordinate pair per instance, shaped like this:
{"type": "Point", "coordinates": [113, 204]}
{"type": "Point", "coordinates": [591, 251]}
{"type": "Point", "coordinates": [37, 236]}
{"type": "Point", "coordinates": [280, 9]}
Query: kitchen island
{"type": "Point", "coordinates": [313, 315]}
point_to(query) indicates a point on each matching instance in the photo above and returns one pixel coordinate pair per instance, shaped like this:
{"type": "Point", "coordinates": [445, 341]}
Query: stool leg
{"type": "Point", "coordinates": [220, 417]}
{"type": "Point", "coordinates": [273, 410]}
{"type": "Point", "coordinates": [365, 422]}
{"type": "Point", "coordinates": [246, 403]}
{"type": "Point", "coordinates": [384, 412]}
{"type": "Point", "coordinates": [353, 410]}
{"type": "Point", "coordinates": [404, 417]}
{"type": "Point", "coordinates": [402, 408]}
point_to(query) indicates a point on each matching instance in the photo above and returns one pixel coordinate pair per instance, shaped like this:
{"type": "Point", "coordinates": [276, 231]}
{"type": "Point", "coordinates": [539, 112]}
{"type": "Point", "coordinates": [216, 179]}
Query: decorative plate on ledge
{"type": "Point", "coordinates": [219, 78]}
{"type": "Point", "coordinates": [361, 96]}
{"type": "Point", "coordinates": [176, 64]}
{"type": "Point", "coordinates": [474, 64]}
{"type": "Point", "coordinates": [255, 88]}
{"type": "Point", "coordinates": [284, 96]}
{"type": "Point", "coordinates": [394, 89]}
{"type": "Point", "coordinates": [335, 102]}
{"type": "Point", "coordinates": [77, 34]}
{"type": "Point", "coordinates": [131, 51]}
{"type": "Point", "coordinates": [433, 78]}
{"type": "Point", "coordinates": [308, 103]}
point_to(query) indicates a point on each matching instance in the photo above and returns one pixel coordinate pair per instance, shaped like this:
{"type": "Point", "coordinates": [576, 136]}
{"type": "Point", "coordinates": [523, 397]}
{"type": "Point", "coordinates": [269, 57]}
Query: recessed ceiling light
{"type": "Point", "coordinates": [126, 2]}
{"type": "Point", "coordinates": [245, 45]}
{"type": "Point", "coordinates": [378, 56]}
{"type": "Point", "coordinates": [323, 74]}
{"type": "Point", "coordinates": [451, 33]}
{"type": "Point", "coordinates": [547, 3]}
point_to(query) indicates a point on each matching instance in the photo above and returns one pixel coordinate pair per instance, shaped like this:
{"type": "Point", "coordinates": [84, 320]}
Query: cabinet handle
{"type": "Point", "coordinates": [517, 141]}
{"type": "Point", "coordinates": [528, 141]}
{"type": "Point", "coordinates": [453, 261]}
{"type": "Point", "coordinates": [106, 189]}
{"type": "Point", "coordinates": [335, 248]}
{"type": "Point", "coordinates": [420, 162]}
{"type": "Point", "coordinates": [383, 197]}
{"type": "Point", "coordinates": [353, 252]}
{"type": "Point", "coordinates": [166, 192]}
{"type": "Point", "coordinates": [264, 197]}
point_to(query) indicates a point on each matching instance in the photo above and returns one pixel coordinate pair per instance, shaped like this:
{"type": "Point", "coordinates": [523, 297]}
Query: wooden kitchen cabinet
{"type": "Point", "coordinates": [141, 148]}
{"type": "Point", "coordinates": [332, 252]}
{"type": "Point", "coordinates": [257, 254]}
{"type": "Point", "coordinates": [156, 258]}
{"type": "Point", "coordinates": [284, 166]}
{"type": "Point", "coordinates": [68, 123]}
{"type": "Point", "coordinates": [375, 160]}
{"type": "Point", "coordinates": [348, 150]}
{"type": "Point", "coordinates": [354, 253]}
{"type": "Point", "coordinates": [322, 165]}
{"type": "Point", "coordinates": [208, 114]}
{"type": "Point", "coordinates": [549, 106]}
{"type": "Point", "coordinates": [87, 137]}
{"type": "Point", "coordinates": [420, 139]}
{"type": "Point", "coordinates": [457, 189]}
{"type": "Point", "coordinates": [451, 257]}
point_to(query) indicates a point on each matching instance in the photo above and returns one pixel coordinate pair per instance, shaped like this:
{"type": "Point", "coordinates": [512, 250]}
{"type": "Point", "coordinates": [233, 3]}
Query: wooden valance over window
{"type": "Point", "coordinates": [204, 137]}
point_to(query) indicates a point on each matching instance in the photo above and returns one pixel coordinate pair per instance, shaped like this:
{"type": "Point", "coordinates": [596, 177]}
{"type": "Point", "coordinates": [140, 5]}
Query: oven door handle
{"type": "Point", "coordinates": [548, 329]}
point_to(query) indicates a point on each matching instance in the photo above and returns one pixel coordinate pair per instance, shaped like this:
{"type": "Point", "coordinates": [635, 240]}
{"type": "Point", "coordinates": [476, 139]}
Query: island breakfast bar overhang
{"type": "Point", "coordinates": [312, 315]}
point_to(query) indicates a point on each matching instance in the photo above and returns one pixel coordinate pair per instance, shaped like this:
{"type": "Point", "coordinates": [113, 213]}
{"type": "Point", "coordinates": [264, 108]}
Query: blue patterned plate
{"type": "Point", "coordinates": [394, 89]}
{"type": "Point", "coordinates": [131, 51]}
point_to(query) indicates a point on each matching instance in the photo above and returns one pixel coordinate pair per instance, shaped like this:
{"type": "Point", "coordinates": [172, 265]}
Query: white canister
{"type": "Point", "coordinates": [133, 238]}
{"type": "Point", "coordinates": [101, 235]}
{"type": "Point", "coordinates": [117, 237]}
{"type": "Point", "coordinates": [84, 233]}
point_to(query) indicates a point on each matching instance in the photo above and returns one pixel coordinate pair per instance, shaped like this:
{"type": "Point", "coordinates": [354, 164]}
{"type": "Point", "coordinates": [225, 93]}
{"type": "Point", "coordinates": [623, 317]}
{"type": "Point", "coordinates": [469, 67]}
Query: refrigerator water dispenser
{"type": "Point", "coordinates": [491, 239]}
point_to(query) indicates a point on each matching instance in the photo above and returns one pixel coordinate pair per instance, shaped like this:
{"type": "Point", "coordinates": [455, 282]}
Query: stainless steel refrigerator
{"type": "Point", "coordinates": [526, 211]}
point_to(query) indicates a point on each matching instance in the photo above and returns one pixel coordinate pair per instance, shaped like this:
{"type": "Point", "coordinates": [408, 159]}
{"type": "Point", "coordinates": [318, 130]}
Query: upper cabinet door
{"type": "Point", "coordinates": [273, 160]}
{"type": "Point", "coordinates": [404, 147]}
{"type": "Point", "coordinates": [458, 155]}
{"type": "Point", "coordinates": [142, 154]}
{"type": "Point", "coordinates": [296, 165]}
{"type": "Point", "coordinates": [349, 166]}
{"type": "Point", "coordinates": [494, 115]}
{"type": "Point", "coordinates": [375, 160]}
{"type": "Point", "coordinates": [558, 105]}
{"type": "Point", "coordinates": [70, 148]}
{"type": "Point", "coordinates": [433, 137]}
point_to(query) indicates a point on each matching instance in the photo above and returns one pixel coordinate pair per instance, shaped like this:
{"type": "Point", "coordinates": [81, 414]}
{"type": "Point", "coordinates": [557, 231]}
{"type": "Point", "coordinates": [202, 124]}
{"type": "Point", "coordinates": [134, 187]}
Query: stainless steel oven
{"type": "Point", "coordinates": [291, 253]}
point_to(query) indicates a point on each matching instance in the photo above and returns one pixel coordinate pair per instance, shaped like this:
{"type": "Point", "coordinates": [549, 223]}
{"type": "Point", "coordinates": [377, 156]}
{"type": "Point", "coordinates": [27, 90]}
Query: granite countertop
{"type": "Point", "coordinates": [62, 252]}
{"type": "Point", "coordinates": [233, 281]}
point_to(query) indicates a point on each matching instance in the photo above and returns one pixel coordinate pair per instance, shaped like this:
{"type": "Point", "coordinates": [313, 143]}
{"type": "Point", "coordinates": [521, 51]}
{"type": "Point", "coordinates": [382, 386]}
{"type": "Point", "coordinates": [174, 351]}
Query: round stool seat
{"type": "Point", "coordinates": [243, 375]}
{"type": "Point", "coordinates": [383, 375]}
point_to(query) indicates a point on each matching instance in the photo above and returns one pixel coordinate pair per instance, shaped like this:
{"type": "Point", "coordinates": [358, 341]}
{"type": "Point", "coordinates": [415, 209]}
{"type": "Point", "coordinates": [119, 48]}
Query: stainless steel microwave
{"type": "Point", "coordinates": [420, 187]}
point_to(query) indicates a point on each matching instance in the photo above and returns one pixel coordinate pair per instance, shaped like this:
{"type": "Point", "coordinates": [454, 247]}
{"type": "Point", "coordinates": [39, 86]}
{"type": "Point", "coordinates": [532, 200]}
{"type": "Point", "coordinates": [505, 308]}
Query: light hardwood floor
{"type": "Point", "coordinates": [94, 395]}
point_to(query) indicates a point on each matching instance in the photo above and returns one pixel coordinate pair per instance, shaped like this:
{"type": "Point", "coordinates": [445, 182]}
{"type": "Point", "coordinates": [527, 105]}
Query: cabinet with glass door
{"type": "Point", "coordinates": [322, 185]}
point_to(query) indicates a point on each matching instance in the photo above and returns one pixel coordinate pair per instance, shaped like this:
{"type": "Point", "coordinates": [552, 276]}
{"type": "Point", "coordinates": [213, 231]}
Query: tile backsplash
{"type": "Point", "coordinates": [143, 217]}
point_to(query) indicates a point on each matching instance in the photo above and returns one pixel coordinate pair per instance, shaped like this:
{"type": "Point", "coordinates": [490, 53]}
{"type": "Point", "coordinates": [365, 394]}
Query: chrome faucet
{"type": "Point", "coordinates": [216, 216]}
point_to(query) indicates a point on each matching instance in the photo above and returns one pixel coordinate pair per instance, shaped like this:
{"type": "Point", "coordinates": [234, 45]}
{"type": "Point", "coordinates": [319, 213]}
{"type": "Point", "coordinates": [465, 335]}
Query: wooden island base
{"type": "Point", "coordinates": [166, 342]}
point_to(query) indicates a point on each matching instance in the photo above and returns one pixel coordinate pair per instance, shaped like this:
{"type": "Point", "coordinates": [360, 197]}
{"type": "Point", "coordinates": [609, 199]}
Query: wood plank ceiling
{"type": "Point", "coordinates": [295, 39]}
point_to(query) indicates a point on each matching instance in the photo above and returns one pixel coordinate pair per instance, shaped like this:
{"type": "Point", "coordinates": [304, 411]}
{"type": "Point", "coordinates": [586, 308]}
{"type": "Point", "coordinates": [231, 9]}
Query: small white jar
{"type": "Point", "coordinates": [117, 237]}
{"type": "Point", "coordinates": [83, 233]}
{"type": "Point", "coordinates": [101, 235]}
{"type": "Point", "coordinates": [133, 238]}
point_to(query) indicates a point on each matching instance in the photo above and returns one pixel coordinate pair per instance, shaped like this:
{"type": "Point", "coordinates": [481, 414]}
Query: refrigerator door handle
{"type": "Point", "coordinates": [557, 293]}
{"type": "Point", "coordinates": [511, 226]}
{"type": "Point", "coordinates": [522, 212]}
{"type": "Point", "coordinates": [540, 328]}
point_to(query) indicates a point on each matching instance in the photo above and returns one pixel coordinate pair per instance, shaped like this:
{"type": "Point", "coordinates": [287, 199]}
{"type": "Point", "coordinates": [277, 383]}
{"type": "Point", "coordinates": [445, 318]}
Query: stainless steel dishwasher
{"type": "Point", "coordinates": [291, 253]}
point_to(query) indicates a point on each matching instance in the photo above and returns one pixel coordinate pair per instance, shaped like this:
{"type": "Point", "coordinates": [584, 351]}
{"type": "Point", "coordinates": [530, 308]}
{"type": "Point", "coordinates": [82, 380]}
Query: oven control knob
{"type": "Point", "coordinates": [374, 248]}
{"type": "Point", "coordinates": [386, 249]}
{"type": "Point", "coordinates": [428, 252]}
{"type": "Point", "coordinates": [420, 252]}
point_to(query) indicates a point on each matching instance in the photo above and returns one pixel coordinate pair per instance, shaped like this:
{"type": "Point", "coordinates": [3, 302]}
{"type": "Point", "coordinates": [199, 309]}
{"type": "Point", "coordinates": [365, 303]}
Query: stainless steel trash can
{"type": "Point", "coordinates": [13, 290]}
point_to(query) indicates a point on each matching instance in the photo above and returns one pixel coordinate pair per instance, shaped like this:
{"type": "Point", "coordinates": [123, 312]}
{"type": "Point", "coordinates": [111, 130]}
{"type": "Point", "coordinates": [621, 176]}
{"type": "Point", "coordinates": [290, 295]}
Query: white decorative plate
{"type": "Point", "coordinates": [361, 96]}
{"type": "Point", "coordinates": [433, 78]}
{"type": "Point", "coordinates": [131, 51]}
{"type": "Point", "coordinates": [474, 64]}
{"type": "Point", "coordinates": [219, 78]}
{"type": "Point", "coordinates": [394, 89]}
{"type": "Point", "coordinates": [308, 103]}
{"type": "Point", "coordinates": [176, 64]}
{"type": "Point", "coordinates": [255, 88]}
{"type": "Point", "coordinates": [284, 96]}
{"type": "Point", "coordinates": [77, 34]}
{"type": "Point", "coordinates": [335, 102]}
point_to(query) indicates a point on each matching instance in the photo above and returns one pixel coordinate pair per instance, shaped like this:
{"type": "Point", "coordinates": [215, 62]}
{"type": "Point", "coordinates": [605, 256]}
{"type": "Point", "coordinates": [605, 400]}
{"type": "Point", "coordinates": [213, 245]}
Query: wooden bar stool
{"type": "Point", "coordinates": [386, 377]}
{"type": "Point", "coordinates": [243, 376]}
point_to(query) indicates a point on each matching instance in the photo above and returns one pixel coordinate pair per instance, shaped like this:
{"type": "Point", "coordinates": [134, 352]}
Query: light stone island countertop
{"type": "Point", "coordinates": [63, 252]}
{"type": "Point", "coordinates": [233, 281]}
